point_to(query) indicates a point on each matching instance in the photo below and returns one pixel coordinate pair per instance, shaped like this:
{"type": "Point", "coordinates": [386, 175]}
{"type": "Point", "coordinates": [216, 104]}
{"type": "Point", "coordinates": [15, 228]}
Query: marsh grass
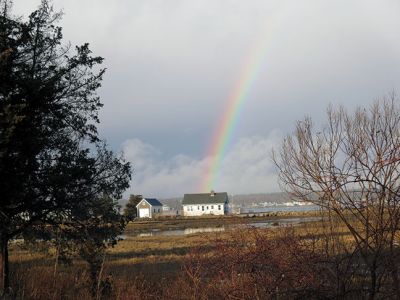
{"type": "Point", "coordinates": [186, 267]}
{"type": "Point", "coordinates": [136, 266]}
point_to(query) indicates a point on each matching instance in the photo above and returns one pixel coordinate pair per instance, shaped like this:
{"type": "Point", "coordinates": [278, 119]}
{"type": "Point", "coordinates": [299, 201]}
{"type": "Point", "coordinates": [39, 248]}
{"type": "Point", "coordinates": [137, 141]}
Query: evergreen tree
{"type": "Point", "coordinates": [48, 115]}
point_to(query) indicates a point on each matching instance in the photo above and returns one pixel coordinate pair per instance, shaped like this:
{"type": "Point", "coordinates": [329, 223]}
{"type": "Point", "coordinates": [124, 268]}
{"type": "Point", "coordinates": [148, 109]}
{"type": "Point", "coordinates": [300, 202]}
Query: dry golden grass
{"type": "Point", "coordinates": [136, 265]}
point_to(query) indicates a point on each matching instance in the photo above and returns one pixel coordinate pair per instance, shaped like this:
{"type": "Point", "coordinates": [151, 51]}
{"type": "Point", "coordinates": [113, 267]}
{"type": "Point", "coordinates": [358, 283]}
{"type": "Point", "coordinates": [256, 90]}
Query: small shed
{"type": "Point", "coordinates": [149, 208]}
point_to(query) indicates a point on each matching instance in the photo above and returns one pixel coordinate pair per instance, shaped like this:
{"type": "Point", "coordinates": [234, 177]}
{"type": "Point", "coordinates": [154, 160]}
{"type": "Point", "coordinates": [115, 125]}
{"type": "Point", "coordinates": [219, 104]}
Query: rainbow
{"type": "Point", "coordinates": [223, 134]}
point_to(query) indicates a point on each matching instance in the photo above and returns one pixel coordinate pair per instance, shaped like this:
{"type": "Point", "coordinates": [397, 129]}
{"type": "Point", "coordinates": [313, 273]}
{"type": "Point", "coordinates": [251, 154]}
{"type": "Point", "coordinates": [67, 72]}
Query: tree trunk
{"type": "Point", "coordinates": [4, 271]}
{"type": "Point", "coordinates": [372, 291]}
{"type": "Point", "coordinates": [94, 277]}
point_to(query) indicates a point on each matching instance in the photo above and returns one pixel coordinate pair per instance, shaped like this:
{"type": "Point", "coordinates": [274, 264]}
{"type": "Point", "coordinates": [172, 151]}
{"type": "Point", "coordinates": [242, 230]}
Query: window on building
{"type": "Point", "coordinates": [158, 210]}
{"type": "Point", "coordinates": [212, 206]}
{"type": "Point", "coordinates": [198, 207]}
{"type": "Point", "coordinates": [219, 207]}
{"type": "Point", "coordinates": [202, 208]}
{"type": "Point", "coordinates": [154, 210]}
{"type": "Point", "coordinates": [207, 207]}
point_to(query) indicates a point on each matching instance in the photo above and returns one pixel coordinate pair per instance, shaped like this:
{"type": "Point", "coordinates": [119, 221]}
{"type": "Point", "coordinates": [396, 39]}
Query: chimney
{"type": "Point", "coordinates": [212, 194]}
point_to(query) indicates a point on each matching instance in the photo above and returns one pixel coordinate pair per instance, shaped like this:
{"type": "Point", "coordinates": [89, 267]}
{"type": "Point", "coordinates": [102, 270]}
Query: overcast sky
{"type": "Point", "coordinates": [173, 63]}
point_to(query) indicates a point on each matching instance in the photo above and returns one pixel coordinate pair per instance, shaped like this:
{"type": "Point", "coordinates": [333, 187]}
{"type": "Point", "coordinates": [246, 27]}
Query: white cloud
{"type": "Point", "coordinates": [156, 177]}
{"type": "Point", "coordinates": [246, 168]}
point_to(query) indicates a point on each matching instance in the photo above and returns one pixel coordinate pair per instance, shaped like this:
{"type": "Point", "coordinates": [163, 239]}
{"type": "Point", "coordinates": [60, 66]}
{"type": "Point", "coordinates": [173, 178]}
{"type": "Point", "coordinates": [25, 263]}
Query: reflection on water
{"type": "Point", "coordinates": [204, 229]}
{"type": "Point", "coordinates": [157, 232]}
{"type": "Point", "coordinates": [186, 231]}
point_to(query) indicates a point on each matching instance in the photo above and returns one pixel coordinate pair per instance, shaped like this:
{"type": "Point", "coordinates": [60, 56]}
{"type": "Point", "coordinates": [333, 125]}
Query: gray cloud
{"type": "Point", "coordinates": [173, 64]}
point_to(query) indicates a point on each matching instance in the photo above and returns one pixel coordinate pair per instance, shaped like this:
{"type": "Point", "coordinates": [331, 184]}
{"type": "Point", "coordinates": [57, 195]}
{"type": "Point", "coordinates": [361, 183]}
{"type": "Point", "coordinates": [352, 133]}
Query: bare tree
{"type": "Point", "coordinates": [350, 167]}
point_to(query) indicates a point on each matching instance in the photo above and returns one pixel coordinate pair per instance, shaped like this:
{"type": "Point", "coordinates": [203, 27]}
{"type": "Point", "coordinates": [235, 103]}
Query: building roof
{"type": "Point", "coordinates": [151, 201]}
{"type": "Point", "coordinates": [204, 198]}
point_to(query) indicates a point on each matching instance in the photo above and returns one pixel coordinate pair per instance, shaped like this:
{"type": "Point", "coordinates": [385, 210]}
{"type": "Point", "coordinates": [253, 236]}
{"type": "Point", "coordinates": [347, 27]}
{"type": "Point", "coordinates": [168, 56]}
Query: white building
{"type": "Point", "coordinates": [205, 204]}
{"type": "Point", "coordinates": [149, 208]}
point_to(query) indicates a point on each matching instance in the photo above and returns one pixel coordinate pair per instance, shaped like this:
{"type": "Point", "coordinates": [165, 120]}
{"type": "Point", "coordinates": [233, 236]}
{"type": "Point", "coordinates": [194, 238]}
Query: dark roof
{"type": "Point", "coordinates": [205, 198]}
{"type": "Point", "coordinates": [153, 202]}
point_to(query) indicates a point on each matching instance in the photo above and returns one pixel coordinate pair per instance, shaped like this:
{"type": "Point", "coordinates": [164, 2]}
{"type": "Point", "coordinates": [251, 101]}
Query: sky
{"type": "Point", "coordinates": [173, 65]}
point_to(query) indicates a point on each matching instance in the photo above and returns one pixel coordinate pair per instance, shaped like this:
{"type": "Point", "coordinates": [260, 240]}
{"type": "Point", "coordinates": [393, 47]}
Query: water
{"type": "Point", "coordinates": [249, 210]}
{"type": "Point", "coordinates": [283, 222]}
{"type": "Point", "coordinates": [186, 231]}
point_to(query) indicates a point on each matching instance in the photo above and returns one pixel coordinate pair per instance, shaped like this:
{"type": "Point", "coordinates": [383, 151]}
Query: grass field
{"type": "Point", "coordinates": [137, 267]}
